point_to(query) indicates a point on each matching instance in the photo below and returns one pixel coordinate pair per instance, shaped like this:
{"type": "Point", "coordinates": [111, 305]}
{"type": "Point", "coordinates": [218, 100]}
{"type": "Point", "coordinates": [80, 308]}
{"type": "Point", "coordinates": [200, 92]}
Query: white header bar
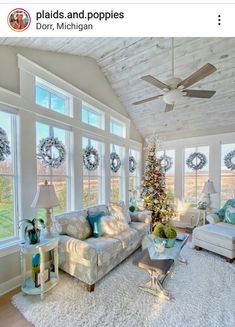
{"type": "Point", "coordinates": [112, 20]}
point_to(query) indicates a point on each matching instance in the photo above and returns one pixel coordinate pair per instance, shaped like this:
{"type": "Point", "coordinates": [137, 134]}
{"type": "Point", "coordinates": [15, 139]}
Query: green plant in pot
{"type": "Point", "coordinates": [165, 233]}
{"type": "Point", "coordinates": [31, 229]}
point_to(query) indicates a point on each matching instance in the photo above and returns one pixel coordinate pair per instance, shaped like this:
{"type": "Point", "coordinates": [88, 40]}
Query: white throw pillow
{"type": "Point", "coordinates": [112, 226]}
{"type": "Point", "coordinates": [120, 211]}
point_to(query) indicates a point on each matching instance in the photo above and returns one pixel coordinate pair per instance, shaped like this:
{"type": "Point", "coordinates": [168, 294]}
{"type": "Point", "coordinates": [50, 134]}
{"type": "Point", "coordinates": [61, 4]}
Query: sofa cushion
{"type": "Point", "coordinates": [142, 228]}
{"type": "Point", "coordinates": [142, 216]}
{"type": "Point", "coordinates": [73, 224]}
{"type": "Point", "coordinates": [230, 215]}
{"type": "Point", "coordinates": [99, 208]}
{"type": "Point", "coordinates": [221, 235]}
{"type": "Point", "coordinates": [111, 225]}
{"type": "Point", "coordinates": [105, 247]}
{"type": "Point", "coordinates": [119, 210]}
{"type": "Point", "coordinates": [95, 222]}
{"type": "Point", "coordinates": [221, 212]}
{"type": "Point", "coordinates": [128, 237]}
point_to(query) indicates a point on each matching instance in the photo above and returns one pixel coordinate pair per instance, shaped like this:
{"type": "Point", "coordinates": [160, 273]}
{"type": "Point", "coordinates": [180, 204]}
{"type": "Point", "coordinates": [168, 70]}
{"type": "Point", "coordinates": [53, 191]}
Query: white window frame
{"type": "Point", "coordinates": [120, 174]}
{"type": "Point", "coordinates": [52, 89]}
{"type": "Point", "coordinates": [91, 109]}
{"type": "Point", "coordinates": [118, 122]}
{"type": "Point", "coordinates": [15, 179]}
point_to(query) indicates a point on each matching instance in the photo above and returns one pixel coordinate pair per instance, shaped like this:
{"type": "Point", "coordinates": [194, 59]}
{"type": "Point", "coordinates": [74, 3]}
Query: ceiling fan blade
{"type": "Point", "coordinates": [152, 80]}
{"type": "Point", "coordinates": [169, 107]}
{"type": "Point", "coordinates": [147, 100]}
{"type": "Point", "coordinates": [201, 73]}
{"type": "Point", "coordinates": [199, 93]}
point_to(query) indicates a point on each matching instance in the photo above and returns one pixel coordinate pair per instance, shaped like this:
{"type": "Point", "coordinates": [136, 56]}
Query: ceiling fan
{"type": "Point", "coordinates": [175, 88]}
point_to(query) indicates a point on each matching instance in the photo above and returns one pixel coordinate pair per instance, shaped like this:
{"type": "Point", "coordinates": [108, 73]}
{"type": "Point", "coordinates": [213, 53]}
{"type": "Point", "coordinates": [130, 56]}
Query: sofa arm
{"type": "Point", "coordinates": [78, 250]}
{"type": "Point", "coordinates": [141, 216]}
{"type": "Point", "coordinates": [212, 218]}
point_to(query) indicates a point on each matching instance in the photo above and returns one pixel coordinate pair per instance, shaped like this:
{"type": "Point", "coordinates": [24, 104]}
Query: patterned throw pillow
{"type": "Point", "coordinates": [95, 222]}
{"type": "Point", "coordinates": [221, 212]}
{"type": "Point", "coordinates": [113, 226]}
{"type": "Point", "coordinates": [73, 224]}
{"type": "Point", "coordinates": [119, 211]}
{"type": "Point", "coordinates": [230, 215]}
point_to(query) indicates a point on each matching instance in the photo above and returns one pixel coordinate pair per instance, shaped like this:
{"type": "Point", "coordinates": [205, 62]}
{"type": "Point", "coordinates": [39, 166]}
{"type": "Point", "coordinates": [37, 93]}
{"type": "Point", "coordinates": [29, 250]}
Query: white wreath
{"type": "Point", "coordinates": [90, 158]}
{"type": "Point", "coordinates": [132, 164]}
{"type": "Point", "coordinates": [45, 153]}
{"type": "Point", "coordinates": [228, 160]}
{"type": "Point", "coordinates": [115, 162]}
{"type": "Point", "coordinates": [166, 162]}
{"type": "Point", "coordinates": [198, 165]}
{"type": "Point", "coordinates": [4, 145]}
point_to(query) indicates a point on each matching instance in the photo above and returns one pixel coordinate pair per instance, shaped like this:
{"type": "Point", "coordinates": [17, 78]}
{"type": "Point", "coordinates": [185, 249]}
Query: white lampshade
{"type": "Point", "coordinates": [209, 188]}
{"type": "Point", "coordinates": [45, 197]}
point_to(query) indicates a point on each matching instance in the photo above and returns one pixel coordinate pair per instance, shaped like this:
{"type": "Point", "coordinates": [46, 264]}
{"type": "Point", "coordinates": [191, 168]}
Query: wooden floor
{"type": "Point", "coordinates": [9, 315]}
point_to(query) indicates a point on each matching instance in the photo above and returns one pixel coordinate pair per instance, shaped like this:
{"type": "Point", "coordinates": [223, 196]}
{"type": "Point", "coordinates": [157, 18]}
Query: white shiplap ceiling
{"type": "Point", "coordinates": [125, 60]}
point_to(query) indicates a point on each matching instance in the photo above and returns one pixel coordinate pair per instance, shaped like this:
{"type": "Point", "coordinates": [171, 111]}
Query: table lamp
{"type": "Point", "coordinates": [46, 198]}
{"type": "Point", "coordinates": [208, 189]}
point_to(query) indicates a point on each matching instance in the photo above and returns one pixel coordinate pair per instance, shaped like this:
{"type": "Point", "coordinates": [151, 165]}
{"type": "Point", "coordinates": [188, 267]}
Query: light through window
{"type": "Point", "coordinates": [170, 174]}
{"type": "Point", "coordinates": [117, 190]}
{"type": "Point", "coordinates": [59, 177]}
{"type": "Point", "coordinates": [194, 180]}
{"type": "Point", "coordinates": [92, 116]}
{"type": "Point", "coordinates": [93, 181]}
{"type": "Point", "coordinates": [117, 127]}
{"type": "Point", "coordinates": [8, 182]}
{"type": "Point", "coordinates": [227, 175]}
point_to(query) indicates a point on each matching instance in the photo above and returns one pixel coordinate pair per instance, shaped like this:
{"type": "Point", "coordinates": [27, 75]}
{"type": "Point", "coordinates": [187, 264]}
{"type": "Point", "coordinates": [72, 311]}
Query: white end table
{"type": "Point", "coordinates": [28, 285]}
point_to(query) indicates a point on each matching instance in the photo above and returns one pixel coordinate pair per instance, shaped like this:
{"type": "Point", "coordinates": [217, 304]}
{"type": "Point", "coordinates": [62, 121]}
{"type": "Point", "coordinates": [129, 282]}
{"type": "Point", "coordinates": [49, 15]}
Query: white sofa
{"type": "Point", "coordinates": [217, 236]}
{"type": "Point", "coordinates": [88, 258]}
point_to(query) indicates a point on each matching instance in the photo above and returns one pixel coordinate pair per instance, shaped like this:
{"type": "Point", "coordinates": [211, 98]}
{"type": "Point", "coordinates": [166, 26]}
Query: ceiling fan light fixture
{"type": "Point", "coordinates": [172, 96]}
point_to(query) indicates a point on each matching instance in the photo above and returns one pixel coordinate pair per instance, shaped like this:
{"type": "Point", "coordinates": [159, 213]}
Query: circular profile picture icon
{"type": "Point", "coordinates": [19, 20]}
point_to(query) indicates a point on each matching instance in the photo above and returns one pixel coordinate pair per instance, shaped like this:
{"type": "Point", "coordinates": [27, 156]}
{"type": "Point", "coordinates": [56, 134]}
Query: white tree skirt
{"type": "Point", "coordinates": [204, 293]}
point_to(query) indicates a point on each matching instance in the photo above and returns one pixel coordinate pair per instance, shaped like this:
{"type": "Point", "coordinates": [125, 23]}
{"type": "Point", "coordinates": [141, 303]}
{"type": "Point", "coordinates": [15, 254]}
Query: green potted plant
{"type": "Point", "coordinates": [165, 233]}
{"type": "Point", "coordinates": [31, 229]}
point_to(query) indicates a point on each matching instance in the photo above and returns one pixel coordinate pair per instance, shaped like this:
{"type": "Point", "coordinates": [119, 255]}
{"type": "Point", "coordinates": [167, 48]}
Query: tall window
{"type": "Point", "coordinates": [117, 189]}
{"type": "Point", "coordinates": [53, 98]}
{"type": "Point", "coordinates": [194, 180]}
{"type": "Point", "coordinates": [93, 181]}
{"type": "Point", "coordinates": [170, 174]}
{"type": "Point", "coordinates": [227, 175]}
{"type": "Point", "coordinates": [117, 127]}
{"type": "Point", "coordinates": [92, 116]}
{"type": "Point", "coordinates": [135, 177]}
{"type": "Point", "coordinates": [59, 177]}
{"type": "Point", "coordinates": [8, 182]}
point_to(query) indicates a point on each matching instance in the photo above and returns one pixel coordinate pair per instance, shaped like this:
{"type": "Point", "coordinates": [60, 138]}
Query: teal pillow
{"type": "Point", "coordinates": [95, 222]}
{"type": "Point", "coordinates": [221, 212]}
{"type": "Point", "coordinates": [230, 215]}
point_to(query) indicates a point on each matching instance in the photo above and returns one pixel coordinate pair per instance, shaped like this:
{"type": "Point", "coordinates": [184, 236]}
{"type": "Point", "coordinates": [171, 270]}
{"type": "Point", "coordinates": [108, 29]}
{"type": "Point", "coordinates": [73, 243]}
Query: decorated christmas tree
{"type": "Point", "coordinates": [154, 189]}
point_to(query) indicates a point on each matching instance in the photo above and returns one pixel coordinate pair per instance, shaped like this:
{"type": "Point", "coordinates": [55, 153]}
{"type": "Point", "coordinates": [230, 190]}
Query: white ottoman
{"type": "Point", "coordinates": [218, 238]}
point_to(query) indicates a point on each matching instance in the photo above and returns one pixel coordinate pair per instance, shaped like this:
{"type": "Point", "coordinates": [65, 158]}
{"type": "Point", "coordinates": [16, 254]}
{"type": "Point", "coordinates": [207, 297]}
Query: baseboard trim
{"type": "Point", "coordinates": [10, 285]}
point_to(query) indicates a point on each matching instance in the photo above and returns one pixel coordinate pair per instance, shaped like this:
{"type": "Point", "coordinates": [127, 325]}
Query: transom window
{"type": "Point", "coordinates": [92, 116]}
{"type": "Point", "coordinates": [53, 98]}
{"type": "Point", "coordinates": [9, 182]}
{"type": "Point", "coordinates": [117, 127]}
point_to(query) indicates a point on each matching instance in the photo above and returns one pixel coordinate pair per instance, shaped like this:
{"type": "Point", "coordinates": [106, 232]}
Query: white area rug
{"type": "Point", "coordinates": [204, 293]}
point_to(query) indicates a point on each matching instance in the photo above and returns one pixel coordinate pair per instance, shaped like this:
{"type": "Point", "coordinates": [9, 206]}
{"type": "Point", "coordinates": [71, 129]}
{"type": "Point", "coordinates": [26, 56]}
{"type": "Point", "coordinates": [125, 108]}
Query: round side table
{"type": "Point", "coordinates": [46, 279]}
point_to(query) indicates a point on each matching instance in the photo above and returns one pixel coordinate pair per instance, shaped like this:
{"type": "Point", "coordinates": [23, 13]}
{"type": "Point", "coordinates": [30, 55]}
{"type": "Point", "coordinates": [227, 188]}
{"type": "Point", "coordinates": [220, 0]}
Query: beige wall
{"type": "Point", "coordinates": [82, 72]}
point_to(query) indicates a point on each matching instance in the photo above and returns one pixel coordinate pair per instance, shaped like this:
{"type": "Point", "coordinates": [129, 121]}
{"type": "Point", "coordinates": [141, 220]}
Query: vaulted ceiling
{"type": "Point", "coordinates": [125, 60]}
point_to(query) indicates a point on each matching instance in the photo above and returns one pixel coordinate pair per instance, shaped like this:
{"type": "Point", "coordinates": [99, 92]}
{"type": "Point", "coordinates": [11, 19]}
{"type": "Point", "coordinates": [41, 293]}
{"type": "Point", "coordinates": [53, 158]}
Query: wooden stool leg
{"type": "Point", "coordinates": [90, 288]}
{"type": "Point", "coordinates": [229, 260]}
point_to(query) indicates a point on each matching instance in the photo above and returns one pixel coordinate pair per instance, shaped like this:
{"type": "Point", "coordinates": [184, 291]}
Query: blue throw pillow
{"type": "Point", "coordinates": [221, 212]}
{"type": "Point", "coordinates": [94, 221]}
{"type": "Point", "coordinates": [230, 215]}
